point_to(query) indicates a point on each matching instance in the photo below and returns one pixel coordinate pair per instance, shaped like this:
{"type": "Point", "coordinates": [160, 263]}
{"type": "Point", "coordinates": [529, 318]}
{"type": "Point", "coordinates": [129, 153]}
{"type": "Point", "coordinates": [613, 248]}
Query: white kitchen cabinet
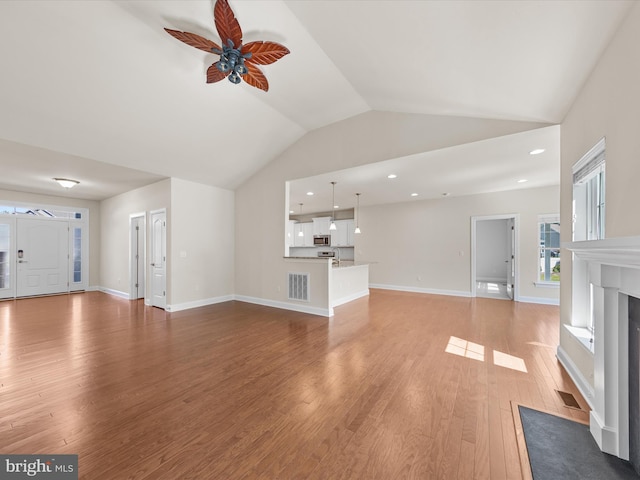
{"type": "Point", "coordinates": [321, 226]}
{"type": "Point", "coordinates": [290, 233]}
{"type": "Point", "coordinates": [306, 240]}
{"type": "Point", "coordinates": [342, 236]}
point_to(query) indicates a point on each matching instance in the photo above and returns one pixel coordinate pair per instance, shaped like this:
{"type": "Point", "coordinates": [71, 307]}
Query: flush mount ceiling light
{"type": "Point", "coordinates": [237, 61]}
{"type": "Point", "coordinates": [66, 182]}
{"type": "Point", "coordinates": [333, 203]}
{"type": "Point", "coordinates": [537, 151]}
{"type": "Point", "coordinates": [357, 230]}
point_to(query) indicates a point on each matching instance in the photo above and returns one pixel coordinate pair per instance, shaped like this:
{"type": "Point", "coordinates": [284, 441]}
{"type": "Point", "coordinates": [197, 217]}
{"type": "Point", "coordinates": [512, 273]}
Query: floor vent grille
{"type": "Point", "coordinates": [569, 400]}
{"type": "Point", "coordinates": [299, 286]}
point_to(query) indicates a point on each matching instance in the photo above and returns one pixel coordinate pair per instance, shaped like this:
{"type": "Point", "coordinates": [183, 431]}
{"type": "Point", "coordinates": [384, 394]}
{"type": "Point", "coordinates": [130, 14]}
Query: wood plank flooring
{"type": "Point", "coordinates": [396, 385]}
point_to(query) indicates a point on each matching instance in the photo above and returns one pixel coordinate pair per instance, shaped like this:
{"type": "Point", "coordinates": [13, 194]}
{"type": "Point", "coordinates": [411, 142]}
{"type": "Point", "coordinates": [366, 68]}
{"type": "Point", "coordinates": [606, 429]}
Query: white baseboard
{"type": "Point", "coordinates": [576, 375]}
{"type": "Point", "coordinates": [198, 303]}
{"type": "Point", "coordinates": [350, 298]}
{"type": "Point", "coordinates": [115, 293]}
{"type": "Point", "coordinates": [402, 288]}
{"type": "Point", "coordinates": [324, 312]}
{"type": "Point", "coordinates": [539, 300]}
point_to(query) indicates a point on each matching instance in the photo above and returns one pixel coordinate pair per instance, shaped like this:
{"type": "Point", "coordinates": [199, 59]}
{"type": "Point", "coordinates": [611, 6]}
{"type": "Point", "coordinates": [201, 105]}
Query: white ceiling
{"type": "Point", "coordinates": [97, 91]}
{"type": "Point", "coordinates": [493, 165]}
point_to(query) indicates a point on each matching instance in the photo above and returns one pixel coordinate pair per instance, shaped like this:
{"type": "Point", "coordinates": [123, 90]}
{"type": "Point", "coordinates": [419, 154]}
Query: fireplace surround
{"type": "Point", "coordinates": [605, 273]}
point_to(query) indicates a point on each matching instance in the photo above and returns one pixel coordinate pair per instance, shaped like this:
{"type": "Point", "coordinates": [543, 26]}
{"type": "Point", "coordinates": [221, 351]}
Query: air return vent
{"type": "Point", "coordinates": [569, 400]}
{"type": "Point", "coordinates": [299, 286]}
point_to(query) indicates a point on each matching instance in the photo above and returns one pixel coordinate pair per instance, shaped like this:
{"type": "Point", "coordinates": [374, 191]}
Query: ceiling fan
{"type": "Point", "coordinates": [237, 61]}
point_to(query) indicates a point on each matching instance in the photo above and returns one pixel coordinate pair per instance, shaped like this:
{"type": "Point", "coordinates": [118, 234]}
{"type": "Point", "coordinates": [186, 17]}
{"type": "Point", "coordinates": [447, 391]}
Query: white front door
{"type": "Point", "coordinates": [42, 254]}
{"type": "Point", "coordinates": [158, 259]}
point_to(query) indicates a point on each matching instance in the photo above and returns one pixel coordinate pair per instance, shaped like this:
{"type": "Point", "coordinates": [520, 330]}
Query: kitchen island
{"type": "Point", "coordinates": [348, 281]}
{"type": "Point", "coordinates": [344, 281]}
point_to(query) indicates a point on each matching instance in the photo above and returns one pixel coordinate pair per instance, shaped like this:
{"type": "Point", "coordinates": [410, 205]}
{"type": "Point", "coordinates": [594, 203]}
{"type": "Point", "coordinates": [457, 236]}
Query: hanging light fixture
{"type": "Point", "coordinates": [357, 230]}
{"type": "Point", "coordinates": [301, 233]}
{"type": "Point", "coordinates": [333, 202]}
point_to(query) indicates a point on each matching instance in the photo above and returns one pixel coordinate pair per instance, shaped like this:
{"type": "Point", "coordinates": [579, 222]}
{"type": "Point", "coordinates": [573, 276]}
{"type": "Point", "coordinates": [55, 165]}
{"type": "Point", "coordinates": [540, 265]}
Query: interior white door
{"type": "Point", "coordinates": [7, 259]}
{"type": "Point", "coordinates": [42, 253]}
{"type": "Point", "coordinates": [158, 259]}
{"type": "Point", "coordinates": [511, 256]}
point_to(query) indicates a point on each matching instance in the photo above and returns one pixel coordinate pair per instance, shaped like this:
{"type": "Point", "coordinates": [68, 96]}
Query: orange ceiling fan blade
{"type": "Point", "coordinates": [227, 24]}
{"type": "Point", "coordinates": [264, 53]}
{"type": "Point", "coordinates": [214, 75]}
{"type": "Point", "coordinates": [255, 77]}
{"type": "Point", "coordinates": [194, 40]}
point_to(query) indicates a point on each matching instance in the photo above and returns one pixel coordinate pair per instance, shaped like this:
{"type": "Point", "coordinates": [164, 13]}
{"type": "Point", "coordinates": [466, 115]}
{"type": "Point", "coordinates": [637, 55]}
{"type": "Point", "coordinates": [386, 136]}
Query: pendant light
{"type": "Point", "coordinates": [301, 233]}
{"type": "Point", "coordinates": [357, 230]}
{"type": "Point", "coordinates": [333, 203]}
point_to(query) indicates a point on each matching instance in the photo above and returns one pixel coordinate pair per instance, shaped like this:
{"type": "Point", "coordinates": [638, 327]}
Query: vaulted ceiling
{"type": "Point", "coordinates": [97, 91]}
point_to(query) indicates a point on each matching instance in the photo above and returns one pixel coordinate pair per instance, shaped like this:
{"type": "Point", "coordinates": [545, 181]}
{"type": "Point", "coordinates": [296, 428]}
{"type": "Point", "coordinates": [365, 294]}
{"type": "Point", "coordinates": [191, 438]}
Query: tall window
{"type": "Point", "coordinates": [589, 195]}
{"type": "Point", "coordinates": [549, 258]}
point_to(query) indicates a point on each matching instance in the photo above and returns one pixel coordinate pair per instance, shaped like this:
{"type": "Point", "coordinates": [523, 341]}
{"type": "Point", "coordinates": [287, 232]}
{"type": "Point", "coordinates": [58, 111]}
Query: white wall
{"type": "Point", "coordinates": [114, 231]}
{"type": "Point", "coordinates": [491, 249]}
{"type": "Point", "coordinates": [261, 209]}
{"type": "Point", "coordinates": [94, 222]}
{"type": "Point", "coordinates": [202, 244]}
{"type": "Point", "coordinates": [425, 245]}
{"type": "Point", "coordinates": [607, 106]}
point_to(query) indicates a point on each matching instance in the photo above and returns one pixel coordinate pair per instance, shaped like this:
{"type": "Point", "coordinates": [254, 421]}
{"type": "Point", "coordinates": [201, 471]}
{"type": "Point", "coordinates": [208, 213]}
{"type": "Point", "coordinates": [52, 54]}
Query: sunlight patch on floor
{"type": "Point", "coordinates": [464, 348]}
{"type": "Point", "coordinates": [475, 351]}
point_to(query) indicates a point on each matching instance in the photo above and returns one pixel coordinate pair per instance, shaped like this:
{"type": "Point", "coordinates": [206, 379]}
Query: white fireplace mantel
{"type": "Point", "coordinates": [621, 252]}
{"type": "Point", "coordinates": [604, 273]}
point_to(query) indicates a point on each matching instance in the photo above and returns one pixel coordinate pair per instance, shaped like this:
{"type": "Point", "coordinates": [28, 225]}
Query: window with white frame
{"type": "Point", "coordinates": [589, 195]}
{"type": "Point", "coordinates": [549, 250]}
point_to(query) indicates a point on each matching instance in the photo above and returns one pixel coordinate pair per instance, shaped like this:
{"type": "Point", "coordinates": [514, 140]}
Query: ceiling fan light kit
{"type": "Point", "coordinates": [237, 61]}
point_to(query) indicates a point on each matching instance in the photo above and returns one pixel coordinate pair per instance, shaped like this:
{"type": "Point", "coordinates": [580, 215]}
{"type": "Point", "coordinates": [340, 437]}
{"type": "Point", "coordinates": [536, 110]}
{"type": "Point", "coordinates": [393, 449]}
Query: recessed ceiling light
{"type": "Point", "coordinates": [414, 194]}
{"type": "Point", "coordinates": [291, 211]}
{"type": "Point", "coordinates": [336, 206]}
{"type": "Point", "coordinates": [537, 151]}
{"type": "Point", "coordinates": [522, 180]}
{"type": "Point", "coordinates": [446, 194]}
{"type": "Point", "coordinates": [393, 175]}
{"type": "Point", "coordinates": [309, 193]}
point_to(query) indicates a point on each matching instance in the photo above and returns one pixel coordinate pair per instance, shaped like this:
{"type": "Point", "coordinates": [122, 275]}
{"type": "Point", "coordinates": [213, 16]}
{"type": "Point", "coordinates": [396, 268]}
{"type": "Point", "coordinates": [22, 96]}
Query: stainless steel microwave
{"type": "Point", "coordinates": [322, 240]}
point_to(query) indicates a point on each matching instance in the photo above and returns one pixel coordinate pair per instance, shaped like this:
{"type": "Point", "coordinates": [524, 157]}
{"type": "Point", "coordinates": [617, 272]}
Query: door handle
{"type": "Point", "coordinates": [23, 261]}
{"type": "Point", "coordinates": [153, 264]}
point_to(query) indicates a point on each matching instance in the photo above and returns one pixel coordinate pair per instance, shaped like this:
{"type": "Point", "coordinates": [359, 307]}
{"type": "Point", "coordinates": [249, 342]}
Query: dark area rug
{"type": "Point", "coordinates": [559, 448]}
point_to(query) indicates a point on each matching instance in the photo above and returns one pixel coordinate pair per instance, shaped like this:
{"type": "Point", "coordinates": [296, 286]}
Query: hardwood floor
{"type": "Point", "coordinates": [397, 385]}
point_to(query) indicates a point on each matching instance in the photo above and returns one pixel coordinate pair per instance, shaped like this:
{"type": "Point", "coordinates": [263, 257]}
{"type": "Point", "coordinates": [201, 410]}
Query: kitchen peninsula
{"type": "Point", "coordinates": [341, 282]}
{"type": "Point", "coordinates": [321, 268]}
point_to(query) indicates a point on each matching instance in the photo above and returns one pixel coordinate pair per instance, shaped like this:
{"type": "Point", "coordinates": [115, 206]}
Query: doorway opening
{"type": "Point", "coordinates": [494, 253]}
{"type": "Point", "coordinates": [137, 256]}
